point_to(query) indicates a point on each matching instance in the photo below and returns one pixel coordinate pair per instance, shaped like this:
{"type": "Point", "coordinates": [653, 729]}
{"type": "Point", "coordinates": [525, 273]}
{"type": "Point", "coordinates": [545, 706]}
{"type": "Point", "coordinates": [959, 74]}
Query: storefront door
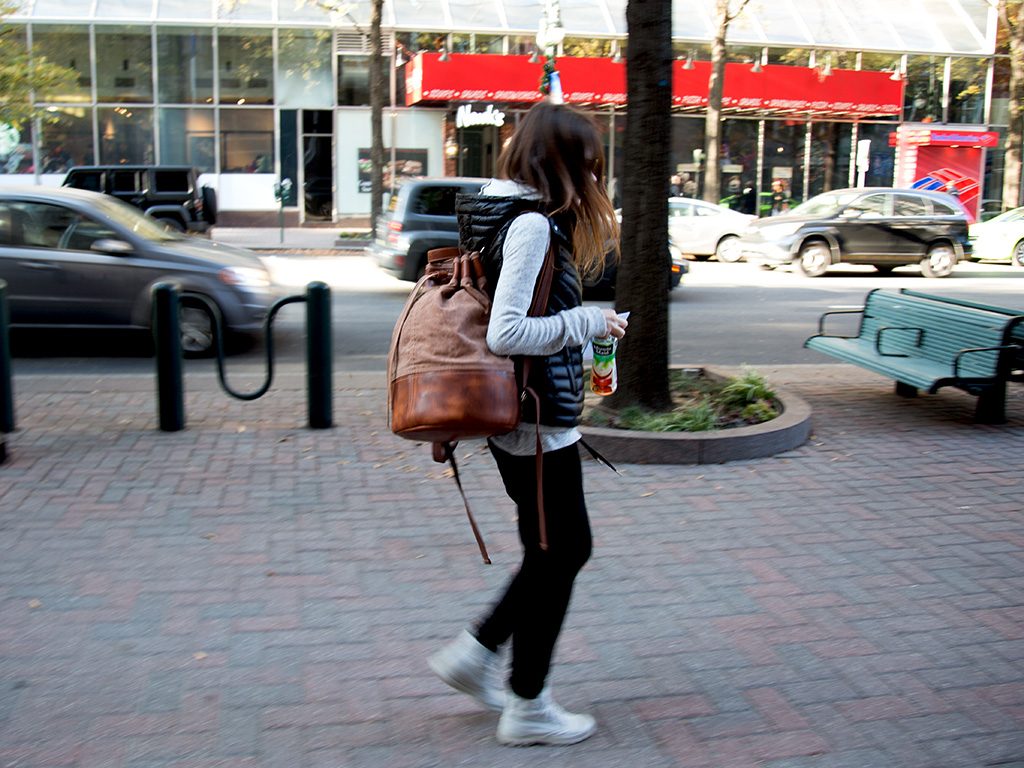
{"type": "Point", "coordinates": [478, 151]}
{"type": "Point", "coordinates": [317, 164]}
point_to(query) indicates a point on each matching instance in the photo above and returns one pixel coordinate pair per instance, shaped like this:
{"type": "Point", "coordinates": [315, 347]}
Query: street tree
{"type": "Point", "coordinates": [22, 75]}
{"type": "Point", "coordinates": [1011, 17]}
{"type": "Point", "coordinates": [726, 11]}
{"type": "Point", "coordinates": [641, 285]}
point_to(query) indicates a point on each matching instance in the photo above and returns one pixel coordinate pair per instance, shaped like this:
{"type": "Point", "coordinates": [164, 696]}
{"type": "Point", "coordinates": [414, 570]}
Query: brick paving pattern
{"type": "Point", "coordinates": [252, 593]}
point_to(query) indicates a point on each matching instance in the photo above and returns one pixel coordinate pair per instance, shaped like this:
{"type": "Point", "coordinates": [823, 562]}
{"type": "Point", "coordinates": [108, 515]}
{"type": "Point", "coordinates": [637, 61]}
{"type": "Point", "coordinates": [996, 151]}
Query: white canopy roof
{"type": "Point", "coordinates": [921, 26]}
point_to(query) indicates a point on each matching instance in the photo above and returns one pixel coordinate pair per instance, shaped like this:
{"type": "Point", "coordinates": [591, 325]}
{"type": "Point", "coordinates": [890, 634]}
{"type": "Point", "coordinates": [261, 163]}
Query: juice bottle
{"type": "Point", "coordinates": [603, 376]}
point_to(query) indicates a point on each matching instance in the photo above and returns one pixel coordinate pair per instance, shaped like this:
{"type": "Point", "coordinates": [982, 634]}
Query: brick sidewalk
{"type": "Point", "coordinates": [252, 593]}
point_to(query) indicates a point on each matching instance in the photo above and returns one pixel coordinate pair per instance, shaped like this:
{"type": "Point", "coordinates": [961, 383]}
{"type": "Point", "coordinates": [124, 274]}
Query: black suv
{"type": "Point", "coordinates": [169, 193]}
{"type": "Point", "coordinates": [420, 216]}
{"type": "Point", "coordinates": [884, 227]}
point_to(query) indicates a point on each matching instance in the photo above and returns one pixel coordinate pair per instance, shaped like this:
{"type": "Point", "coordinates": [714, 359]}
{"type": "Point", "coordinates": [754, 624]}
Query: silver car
{"type": "Point", "coordinates": [705, 229]}
{"type": "Point", "coordinates": [78, 259]}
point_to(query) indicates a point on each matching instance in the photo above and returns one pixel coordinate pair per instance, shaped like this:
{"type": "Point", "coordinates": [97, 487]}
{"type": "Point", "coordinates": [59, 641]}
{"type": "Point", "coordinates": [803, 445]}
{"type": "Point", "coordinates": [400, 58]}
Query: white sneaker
{"type": "Point", "coordinates": [541, 721]}
{"type": "Point", "coordinates": [472, 669]}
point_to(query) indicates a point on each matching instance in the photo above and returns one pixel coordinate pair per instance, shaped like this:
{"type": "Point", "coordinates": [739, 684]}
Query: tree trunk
{"type": "Point", "coordinates": [1013, 20]}
{"type": "Point", "coordinates": [713, 120]}
{"type": "Point", "coordinates": [641, 285]}
{"type": "Point", "coordinates": [377, 92]}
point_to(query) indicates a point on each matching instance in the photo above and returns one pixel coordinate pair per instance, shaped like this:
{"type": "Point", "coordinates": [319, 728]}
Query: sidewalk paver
{"type": "Point", "coordinates": [249, 592]}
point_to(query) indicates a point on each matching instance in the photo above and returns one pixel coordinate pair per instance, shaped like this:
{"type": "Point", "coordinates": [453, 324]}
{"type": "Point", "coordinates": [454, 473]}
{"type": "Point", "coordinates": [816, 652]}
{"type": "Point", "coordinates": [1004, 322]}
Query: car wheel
{"type": "Point", "coordinates": [939, 262]}
{"type": "Point", "coordinates": [728, 250]}
{"type": "Point", "coordinates": [1017, 257]}
{"type": "Point", "coordinates": [172, 224]}
{"type": "Point", "coordinates": [196, 327]}
{"type": "Point", "coordinates": [813, 259]}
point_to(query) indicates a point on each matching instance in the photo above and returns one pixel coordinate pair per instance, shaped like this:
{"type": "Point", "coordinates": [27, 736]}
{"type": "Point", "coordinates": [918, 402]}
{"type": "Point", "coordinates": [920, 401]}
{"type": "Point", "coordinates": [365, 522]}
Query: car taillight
{"type": "Point", "coordinates": [675, 268]}
{"type": "Point", "coordinates": [394, 227]}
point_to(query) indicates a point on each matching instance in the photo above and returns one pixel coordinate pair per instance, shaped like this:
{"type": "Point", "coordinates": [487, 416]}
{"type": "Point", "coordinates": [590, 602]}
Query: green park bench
{"type": "Point", "coordinates": [929, 342]}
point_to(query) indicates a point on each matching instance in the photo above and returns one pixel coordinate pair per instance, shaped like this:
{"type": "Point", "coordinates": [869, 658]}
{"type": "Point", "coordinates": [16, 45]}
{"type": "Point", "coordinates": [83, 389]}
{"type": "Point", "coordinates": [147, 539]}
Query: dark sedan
{"type": "Point", "coordinates": [77, 259]}
{"type": "Point", "coordinates": [884, 227]}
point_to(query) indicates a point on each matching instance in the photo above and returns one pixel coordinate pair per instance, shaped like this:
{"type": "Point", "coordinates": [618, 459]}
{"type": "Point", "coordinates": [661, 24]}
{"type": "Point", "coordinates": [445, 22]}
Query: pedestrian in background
{"type": "Point", "coordinates": [550, 186]}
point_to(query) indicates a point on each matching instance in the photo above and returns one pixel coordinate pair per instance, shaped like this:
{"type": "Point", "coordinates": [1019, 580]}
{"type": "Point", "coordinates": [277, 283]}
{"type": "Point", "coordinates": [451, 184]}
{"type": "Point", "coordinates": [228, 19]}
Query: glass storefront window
{"type": "Point", "coordinates": [184, 65]}
{"type": "Point", "coordinates": [247, 140]}
{"type": "Point", "coordinates": [687, 136]}
{"type": "Point", "coordinates": [922, 98]}
{"type": "Point", "coordinates": [123, 9]}
{"type": "Point", "coordinates": [488, 43]}
{"type": "Point", "coordinates": [830, 157]}
{"type": "Point", "coordinates": [580, 46]}
{"type": "Point", "coordinates": [245, 66]}
{"type": "Point", "coordinates": [304, 76]}
{"type": "Point", "coordinates": [69, 47]}
{"type": "Point", "coordinates": [126, 135]}
{"type": "Point", "coordinates": [1001, 92]}
{"type": "Point", "coordinates": [967, 90]}
{"type": "Point", "coordinates": [353, 81]}
{"type": "Point", "coordinates": [248, 10]}
{"type": "Point", "coordinates": [738, 156]}
{"type": "Point", "coordinates": [187, 138]}
{"type": "Point", "coordinates": [882, 163]}
{"type": "Point", "coordinates": [66, 139]}
{"type": "Point", "coordinates": [15, 149]}
{"type": "Point", "coordinates": [783, 169]}
{"type": "Point", "coordinates": [124, 64]}
{"type": "Point", "coordinates": [745, 54]}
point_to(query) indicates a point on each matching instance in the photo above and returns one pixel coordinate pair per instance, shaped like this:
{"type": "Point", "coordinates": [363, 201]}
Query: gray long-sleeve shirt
{"type": "Point", "coordinates": [512, 332]}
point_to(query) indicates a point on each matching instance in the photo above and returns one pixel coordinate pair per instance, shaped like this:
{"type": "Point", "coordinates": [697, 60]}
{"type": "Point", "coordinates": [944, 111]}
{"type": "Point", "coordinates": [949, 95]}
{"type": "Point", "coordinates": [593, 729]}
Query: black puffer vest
{"type": "Point", "coordinates": [557, 379]}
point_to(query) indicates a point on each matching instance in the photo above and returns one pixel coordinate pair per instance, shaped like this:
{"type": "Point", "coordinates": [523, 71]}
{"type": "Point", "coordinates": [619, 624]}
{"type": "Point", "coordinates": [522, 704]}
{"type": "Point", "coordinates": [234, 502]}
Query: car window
{"type": "Point", "coordinates": [170, 181]}
{"type": "Point", "coordinates": [124, 181]}
{"type": "Point", "coordinates": [819, 205]}
{"type": "Point", "coordinates": [701, 210]}
{"type": "Point", "coordinates": [435, 201]}
{"type": "Point", "coordinates": [40, 225]}
{"type": "Point", "coordinates": [870, 206]}
{"type": "Point", "coordinates": [943, 208]}
{"type": "Point", "coordinates": [910, 205]}
{"type": "Point", "coordinates": [676, 210]}
{"type": "Point", "coordinates": [91, 180]}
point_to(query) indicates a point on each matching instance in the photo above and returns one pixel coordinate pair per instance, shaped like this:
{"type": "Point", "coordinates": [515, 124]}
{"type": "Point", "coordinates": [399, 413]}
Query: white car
{"type": "Point", "coordinates": [705, 229]}
{"type": "Point", "coordinates": [1000, 239]}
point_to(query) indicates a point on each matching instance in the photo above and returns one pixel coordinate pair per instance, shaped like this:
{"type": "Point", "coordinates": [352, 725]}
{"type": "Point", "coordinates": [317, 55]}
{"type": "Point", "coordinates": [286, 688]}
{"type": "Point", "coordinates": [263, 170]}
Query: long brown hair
{"type": "Point", "coordinates": [558, 151]}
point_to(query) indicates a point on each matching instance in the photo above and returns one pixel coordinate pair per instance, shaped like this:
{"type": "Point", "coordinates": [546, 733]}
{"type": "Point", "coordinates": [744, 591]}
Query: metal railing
{"type": "Point", "coordinates": [167, 302]}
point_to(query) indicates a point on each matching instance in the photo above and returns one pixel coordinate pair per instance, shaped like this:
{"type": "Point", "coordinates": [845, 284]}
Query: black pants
{"type": "Point", "coordinates": [535, 601]}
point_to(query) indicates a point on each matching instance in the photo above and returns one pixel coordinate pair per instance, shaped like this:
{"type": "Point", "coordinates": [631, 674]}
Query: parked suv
{"type": "Point", "coordinates": [169, 193]}
{"type": "Point", "coordinates": [884, 227]}
{"type": "Point", "coordinates": [420, 216]}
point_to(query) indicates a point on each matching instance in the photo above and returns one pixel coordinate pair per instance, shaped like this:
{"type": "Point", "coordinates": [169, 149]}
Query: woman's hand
{"type": "Point", "coordinates": [616, 325]}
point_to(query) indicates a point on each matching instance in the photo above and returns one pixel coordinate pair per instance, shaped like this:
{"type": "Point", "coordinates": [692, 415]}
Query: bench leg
{"type": "Point", "coordinates": [991, 407]}
{"type": "Point", "coordinates": [905, 390]}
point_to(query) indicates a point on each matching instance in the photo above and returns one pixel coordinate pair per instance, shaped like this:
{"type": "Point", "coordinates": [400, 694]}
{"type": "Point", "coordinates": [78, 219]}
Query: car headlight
{"type": "Point", "coordinates": [245, 277]}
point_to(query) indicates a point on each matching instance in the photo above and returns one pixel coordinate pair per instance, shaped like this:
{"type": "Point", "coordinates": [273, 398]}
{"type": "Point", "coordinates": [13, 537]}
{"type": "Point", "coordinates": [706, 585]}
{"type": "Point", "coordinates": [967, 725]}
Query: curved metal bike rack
{"type": "Point", "coordinates": [167, 299]}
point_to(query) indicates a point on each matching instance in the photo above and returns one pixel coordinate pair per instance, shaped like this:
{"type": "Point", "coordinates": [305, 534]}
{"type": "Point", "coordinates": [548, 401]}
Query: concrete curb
{"type": "Point", "coordinates": [789, 430]}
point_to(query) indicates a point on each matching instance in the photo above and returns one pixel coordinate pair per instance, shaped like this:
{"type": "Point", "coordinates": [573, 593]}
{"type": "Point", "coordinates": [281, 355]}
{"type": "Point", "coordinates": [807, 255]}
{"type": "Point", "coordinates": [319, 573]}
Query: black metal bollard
{"type": "Point", "coordinates": [170, 388]}
{"type": "Point", "coordinates": [6, 387]}
{"type": "Point", "coordinates": [319, 355]}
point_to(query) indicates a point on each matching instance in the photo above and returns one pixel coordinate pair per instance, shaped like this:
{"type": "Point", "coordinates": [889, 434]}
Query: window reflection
{"type": "Point", "coordinates": [187, 138]}
{"type": "Point", "coordinates": [246, 66]}
{"type": "Point", "coordinates": [922, 100]}
{"type": "Point", "coordinates": [126, 135]}
{"type": "Point", "coordinates": [185, 61]}
{"type": "Point", "coordinates": [124, 64]}
{"type": "Point", "coordinates": [66, 139]}
{"type": "Point", "coordinates": [304, 68]}
{"type": "Point", "coordinates": [967, 90]}
{"type": "Point", "coordinates": [247, 140]}
{"type": "Point", "coordinates": [69, 47]}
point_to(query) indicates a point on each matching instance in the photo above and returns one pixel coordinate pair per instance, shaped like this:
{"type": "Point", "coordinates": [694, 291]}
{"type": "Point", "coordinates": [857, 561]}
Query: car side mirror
{"type": "Point", "coordinates": [111, 246]}
{"type": "Point", "coordinates": [851, 213]}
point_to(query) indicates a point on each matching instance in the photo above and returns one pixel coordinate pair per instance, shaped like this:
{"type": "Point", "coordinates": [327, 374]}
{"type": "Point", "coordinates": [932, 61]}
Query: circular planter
{"type": "Point", "coordinates": [788, 430]}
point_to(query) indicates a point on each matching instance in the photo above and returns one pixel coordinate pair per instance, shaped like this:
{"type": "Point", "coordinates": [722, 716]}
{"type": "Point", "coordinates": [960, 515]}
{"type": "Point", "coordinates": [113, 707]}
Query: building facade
{"type": "Point", "coordinates": [254, 91]}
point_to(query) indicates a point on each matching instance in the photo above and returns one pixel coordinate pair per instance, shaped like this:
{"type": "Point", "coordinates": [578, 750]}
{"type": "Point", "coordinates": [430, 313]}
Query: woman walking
{"type": "Point", "coordinates": [550, 186]}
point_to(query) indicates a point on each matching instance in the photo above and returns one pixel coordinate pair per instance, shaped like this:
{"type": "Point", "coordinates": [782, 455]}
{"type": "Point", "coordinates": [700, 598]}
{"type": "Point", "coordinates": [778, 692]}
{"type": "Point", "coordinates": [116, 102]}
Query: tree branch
{"type": "Point", "coordinates": [730, 17]}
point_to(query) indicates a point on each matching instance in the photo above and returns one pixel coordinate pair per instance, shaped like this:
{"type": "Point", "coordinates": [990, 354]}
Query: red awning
{"type": "Point", "coordinates": [777, 89]}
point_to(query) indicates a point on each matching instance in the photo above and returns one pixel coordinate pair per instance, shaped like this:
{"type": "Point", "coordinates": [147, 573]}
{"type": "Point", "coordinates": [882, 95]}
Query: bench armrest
{"type": "Point", "coordinates": [962, 352]}
{"type": "Point", "coordinates": [821, 320]}
{"type": "Point", "coordinates": [878, 339]}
